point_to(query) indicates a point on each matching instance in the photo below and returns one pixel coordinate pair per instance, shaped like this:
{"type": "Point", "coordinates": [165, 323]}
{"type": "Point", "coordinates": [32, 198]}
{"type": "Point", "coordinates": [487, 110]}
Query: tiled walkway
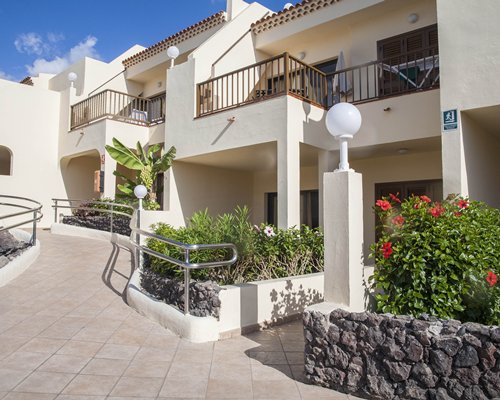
{"type": "Point", "coordinates": [66, 333]}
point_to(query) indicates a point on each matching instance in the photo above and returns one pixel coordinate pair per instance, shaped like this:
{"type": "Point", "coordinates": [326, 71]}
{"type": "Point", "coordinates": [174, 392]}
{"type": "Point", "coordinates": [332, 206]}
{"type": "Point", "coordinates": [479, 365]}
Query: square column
{"type": "Point", "coordinates": [288, 184]}
{"type": "Point", "coordinates": [108, 167]}
{"type": "Point", "coordinates": [453, 159]}
{"type": "Point", "coordinates": [343, 228]}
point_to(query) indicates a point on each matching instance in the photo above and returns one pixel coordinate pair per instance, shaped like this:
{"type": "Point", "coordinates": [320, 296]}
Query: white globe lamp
{"type": "Point", "coordinates": [72, 77]}
{"type": "Point", "coordinates": [343, 121]}
{"type": "Point", "coordinates": [140, 191]}
{"type": "Point", "coordinates": [172, 53]}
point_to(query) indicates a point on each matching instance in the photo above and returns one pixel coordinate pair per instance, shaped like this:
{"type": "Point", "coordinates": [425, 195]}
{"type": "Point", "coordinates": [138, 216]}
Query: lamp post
{"type": "Point", "coordinates": [140, 192]}
{"type": "Point", "coordinates": [343, 217]}
{"type": "Point", "coordinates": [343, 121]}
{"type": "Point", "coordinates": [172, 53]}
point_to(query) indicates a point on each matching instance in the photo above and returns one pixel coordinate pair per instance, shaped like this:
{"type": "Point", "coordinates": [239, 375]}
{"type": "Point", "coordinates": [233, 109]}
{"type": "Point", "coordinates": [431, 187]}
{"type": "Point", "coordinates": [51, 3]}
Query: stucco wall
{"type": "Point", "coordinates": [29, 127]}
{"type": "Point", "coordinates": [482, 162]}
{"type": "Point", "coordinates": [196, 187]}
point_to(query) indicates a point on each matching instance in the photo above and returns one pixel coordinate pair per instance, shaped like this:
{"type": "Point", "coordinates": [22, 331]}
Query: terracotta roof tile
{"type": "Point", "coordinates": [298, 10]}
{"type": "Point", "coordinates": [27, 81]}
{"type": "Point", "coordinates": [177, 38]}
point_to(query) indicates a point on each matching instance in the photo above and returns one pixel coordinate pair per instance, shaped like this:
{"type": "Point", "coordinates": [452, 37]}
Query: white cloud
{"type": "Point", "coordinates": [86, 48]}
{"type": "Point", "coordinates": [5, 75]}
{"type": "Point", "coordinates": [54, 37]}
{"type": "Point", "coordinates": [30, 43]}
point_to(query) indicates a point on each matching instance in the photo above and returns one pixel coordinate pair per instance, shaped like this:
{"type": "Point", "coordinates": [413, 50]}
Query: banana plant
{"type": "Point", "coordinates": [147, 163]}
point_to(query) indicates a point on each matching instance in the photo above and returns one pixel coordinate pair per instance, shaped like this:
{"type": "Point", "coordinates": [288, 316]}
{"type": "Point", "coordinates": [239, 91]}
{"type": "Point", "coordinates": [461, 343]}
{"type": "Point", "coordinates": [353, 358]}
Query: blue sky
{"type": "Point", "coordinates": [47, 35]}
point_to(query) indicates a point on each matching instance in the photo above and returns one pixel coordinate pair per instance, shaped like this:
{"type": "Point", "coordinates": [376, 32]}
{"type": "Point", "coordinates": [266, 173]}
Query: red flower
{"type": "Point", "coordinates": [398, 221]}
{"type": "Point", "coordinates": [463, 203]}
{"type": "Point", "coordinates": [457, 214]}
{"type": "Point", "coordinates": [416, 206]}
{"type": "Point", "coordinates": [491, 278]}
{"type": "Point", "coordinates": [387, 249]}
{"type": "Point", "coordinates": [383, 204]}
{"type": "Point", "coordinates": [425, 198]}
{"type": "Point", "coordinates": [395, 198]}
{"type": "Point", "coordinates": [437, 210]}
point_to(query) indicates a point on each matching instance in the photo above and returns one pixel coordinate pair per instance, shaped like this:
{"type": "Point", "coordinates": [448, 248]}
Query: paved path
{"type": "Point", "coordinates": [66, 333]}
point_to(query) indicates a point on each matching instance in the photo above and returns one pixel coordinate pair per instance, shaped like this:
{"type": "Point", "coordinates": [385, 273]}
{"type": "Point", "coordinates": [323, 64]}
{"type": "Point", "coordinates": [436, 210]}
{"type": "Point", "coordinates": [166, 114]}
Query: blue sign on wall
{"type": "Point", "coordinates": [450, 120]}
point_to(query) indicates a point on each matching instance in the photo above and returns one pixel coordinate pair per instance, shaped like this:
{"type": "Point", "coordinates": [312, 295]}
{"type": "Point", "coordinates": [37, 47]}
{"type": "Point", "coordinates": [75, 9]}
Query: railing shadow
{"type": "Point", "coordinates": [110, 271]}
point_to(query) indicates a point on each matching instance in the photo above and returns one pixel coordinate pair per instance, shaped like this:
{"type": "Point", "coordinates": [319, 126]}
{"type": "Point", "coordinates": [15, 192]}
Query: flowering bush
{"type": "Point", "coordinates": [440, 258]}
{"type": "Point", "coordinates": [264, 252]}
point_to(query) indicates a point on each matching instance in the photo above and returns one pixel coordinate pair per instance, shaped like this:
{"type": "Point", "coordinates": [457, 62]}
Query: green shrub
{"type": "Point", "coordinates": [437, 258]}
{"type": "Point", "coordinates": [263, 252]}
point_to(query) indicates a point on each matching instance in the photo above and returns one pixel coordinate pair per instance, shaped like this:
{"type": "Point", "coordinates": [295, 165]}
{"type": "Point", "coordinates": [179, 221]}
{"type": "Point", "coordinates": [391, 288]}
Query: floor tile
{"type": "Point", "coordinates": [275, 390]}
{"type": "Point", "coordinates": [132, 386]}
{"type": "Point", "coordinates": [43, 345]}
{"type": "Point", "coordinates": [44, 382]}
{"type": "Point", "coordinates": [147, 369]}
{"type": "Point", "coordinates": [117, 351]}
{"type": "Point", "coordinates": [91, 385]}
{"type": "Point", "coordinates": [64, 363]}
{"type": "Point", "coordinates": [103, 366]}
{"type": "Point", "coordinates": [229, 388]}
{"type": "Point", "coordinates": [80, 348]}
{"type": "Point", "coordinates": [9, 378]}
{"type": "Point", "coordinates": [24, 361]}
{"type": "Point", "coordinates": [187, 387]}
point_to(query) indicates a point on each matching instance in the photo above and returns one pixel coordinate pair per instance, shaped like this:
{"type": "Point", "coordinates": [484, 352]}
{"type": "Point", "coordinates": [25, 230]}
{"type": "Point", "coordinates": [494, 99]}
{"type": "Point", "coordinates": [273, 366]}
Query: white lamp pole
{"type": "Point", "coordinates": [140, 192]}
{"type": "Point", "coordinates": [172, 53]}
{"type": "Point", "coordinates": [343, 121]}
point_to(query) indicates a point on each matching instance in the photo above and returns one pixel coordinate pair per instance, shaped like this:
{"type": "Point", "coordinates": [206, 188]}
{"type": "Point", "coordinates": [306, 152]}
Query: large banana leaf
{"type": "Point", "coordinates": [124, 156]}
{"type": "Point", "coordinates": [141, 152]}
{"type": "Point", "coordinates": [165, 162]}
{"type": "Point", "coordinates": [125, 189]}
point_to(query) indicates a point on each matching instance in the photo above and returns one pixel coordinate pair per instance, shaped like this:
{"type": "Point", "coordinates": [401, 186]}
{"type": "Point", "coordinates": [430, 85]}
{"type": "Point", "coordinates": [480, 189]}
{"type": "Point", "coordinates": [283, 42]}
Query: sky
{"type": "Point", "coordinates": [49, 35]}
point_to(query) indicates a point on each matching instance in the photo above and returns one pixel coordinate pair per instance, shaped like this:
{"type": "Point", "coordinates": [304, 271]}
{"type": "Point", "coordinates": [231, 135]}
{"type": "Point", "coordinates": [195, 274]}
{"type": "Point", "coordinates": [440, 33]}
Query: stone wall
{"type": "Point", "coordinates": [203, 296]}
{"type": "Point", "coordinates": [10, 247]}
{"type": "Point", "coordinates": [386, 357]}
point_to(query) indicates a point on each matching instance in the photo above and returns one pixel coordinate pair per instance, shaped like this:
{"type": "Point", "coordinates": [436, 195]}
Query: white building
{"type": "Point", "coordinates": [245, 105]}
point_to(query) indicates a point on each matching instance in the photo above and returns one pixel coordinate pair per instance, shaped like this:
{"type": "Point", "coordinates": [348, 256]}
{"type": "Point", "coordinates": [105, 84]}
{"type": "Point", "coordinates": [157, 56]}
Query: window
{"type": "Point", "coordinates": [5, 161]}
{"type": "Point", "coordinates": [309, 208]}
{"type": "Point", "coordinates": [410, 61]}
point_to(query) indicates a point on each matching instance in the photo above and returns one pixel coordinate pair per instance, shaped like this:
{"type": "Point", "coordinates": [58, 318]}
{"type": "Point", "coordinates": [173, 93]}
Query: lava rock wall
{"type": "Point", "coordinates": [396, 357]}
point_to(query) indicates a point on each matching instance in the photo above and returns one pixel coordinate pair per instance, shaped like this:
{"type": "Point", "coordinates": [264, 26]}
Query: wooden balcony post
{"type": "Point", "coordinates": [287, 72]}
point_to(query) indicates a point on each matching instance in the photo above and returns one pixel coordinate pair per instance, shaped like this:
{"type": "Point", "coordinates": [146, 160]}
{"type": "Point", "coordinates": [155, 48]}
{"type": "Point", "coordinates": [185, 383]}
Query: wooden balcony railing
{"type": "Point", "coordinates": [118, 106]}
{"type": "Point", "coordinates": [285, 74]}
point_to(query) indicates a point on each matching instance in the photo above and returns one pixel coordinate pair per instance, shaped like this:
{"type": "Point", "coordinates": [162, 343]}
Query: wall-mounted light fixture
{"type": "Point", "coordinates": [412, 18]}
{"type": "Point", "coordinates": [301, 55]}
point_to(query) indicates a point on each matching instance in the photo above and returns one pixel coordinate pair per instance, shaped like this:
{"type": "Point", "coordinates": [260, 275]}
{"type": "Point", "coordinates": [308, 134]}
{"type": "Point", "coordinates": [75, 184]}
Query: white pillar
{"type": "Point", "coordinates": [343, 228]}
{"type": "Point", "coordinates": [288, 183]}
{"type": "Point", "coordinates": [453, 159]}
{"type": "Point", "coordinates": [109, 179]}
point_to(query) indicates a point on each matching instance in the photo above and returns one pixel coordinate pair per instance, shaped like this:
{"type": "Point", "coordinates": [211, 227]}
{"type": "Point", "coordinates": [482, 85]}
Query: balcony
{"type": "Point", "coordinates": [284, 74]}
{"type": "Point", "coordinates": [110, 104]}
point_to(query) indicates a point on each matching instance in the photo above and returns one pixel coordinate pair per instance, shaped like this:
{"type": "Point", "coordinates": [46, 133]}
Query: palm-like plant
{"type": "Point", "coordinates": [147, 163]}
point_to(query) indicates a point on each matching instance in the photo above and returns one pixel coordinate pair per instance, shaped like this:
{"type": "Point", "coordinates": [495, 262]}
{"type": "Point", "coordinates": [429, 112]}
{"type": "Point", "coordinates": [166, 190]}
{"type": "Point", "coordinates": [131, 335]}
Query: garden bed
{"type": "Point", "coordinates": [121, 224]}
{"type": "Point", "coordinates": [389, 357]}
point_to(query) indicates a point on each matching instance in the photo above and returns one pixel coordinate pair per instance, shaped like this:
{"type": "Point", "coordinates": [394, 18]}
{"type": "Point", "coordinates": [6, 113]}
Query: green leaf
{"type": "Point", "coordinates": [124, 156]}
{"type": "Point", "coordinates": [165, 162]}
{"type": "Point", "coordinates": [141, 152]}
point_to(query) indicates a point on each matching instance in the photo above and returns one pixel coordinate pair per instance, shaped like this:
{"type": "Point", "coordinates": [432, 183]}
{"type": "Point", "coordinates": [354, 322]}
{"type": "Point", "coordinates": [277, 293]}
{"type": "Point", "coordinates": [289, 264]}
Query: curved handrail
{"type": "Point", "coordinates": [186, 264]}
{"type": "Point", "coordinates": [35, 210]}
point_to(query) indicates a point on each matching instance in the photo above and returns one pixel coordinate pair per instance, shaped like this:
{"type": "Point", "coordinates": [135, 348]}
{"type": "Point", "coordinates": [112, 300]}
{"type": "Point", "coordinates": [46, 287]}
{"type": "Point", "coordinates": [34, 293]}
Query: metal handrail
{"type": "Point", "coordinates": [186, 264]}
{"type": "Point", "coordinates": [79, 207]}
{"type": "Point", "coordinates": [137, 233]}
{"type": "Point", "coordinates": [35, 211]}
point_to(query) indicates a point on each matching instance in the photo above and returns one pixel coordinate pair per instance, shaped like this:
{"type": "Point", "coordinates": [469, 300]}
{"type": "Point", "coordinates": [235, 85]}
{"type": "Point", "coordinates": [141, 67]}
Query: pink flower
{"type": "Point", "coordinates": [463, 203]}
{"type": "Point", "coordinates": [383, 204]}
{"type": "Point", "coordinates": [395, 198]}
{"type": "Point", "coordinates": [491, 277]}
{"type": "Point", "coordinates": [268, 230]}
{"type": "Point", "coordinates": [398, 221]}
{"type": "Point", "coordinates": [387, 249]}
{"type": "Point", "coordinates": [425, 198]}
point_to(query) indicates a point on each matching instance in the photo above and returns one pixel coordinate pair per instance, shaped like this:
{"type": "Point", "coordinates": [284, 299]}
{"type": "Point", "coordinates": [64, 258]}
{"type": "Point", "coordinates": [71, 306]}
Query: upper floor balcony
{"type": "Point", "coordinates": [284, 74]}
{"type": "Point", "coordinates": [110, 104]}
